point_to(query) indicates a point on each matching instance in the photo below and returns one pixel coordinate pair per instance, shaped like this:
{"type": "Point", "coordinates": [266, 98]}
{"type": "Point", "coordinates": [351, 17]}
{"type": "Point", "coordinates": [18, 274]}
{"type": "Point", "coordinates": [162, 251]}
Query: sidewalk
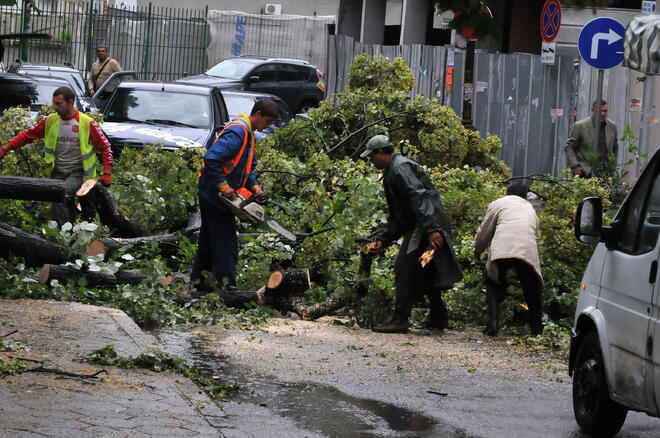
{"type": "Point", "coordinates": [123, 403]}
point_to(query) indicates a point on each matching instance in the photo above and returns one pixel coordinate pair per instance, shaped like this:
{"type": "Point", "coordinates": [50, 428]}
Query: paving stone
{"type": "Point", "coordinates": [122, 403]}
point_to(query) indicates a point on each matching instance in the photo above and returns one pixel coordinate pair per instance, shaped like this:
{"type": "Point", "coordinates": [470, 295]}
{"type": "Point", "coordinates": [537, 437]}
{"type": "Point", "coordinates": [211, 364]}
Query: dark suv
{"type": "Point", "coordinates": [63, 71]}
{"type": "Point", "coordinates": [298, 83]}
{"type": "Point", "coordinates": [30, 91]}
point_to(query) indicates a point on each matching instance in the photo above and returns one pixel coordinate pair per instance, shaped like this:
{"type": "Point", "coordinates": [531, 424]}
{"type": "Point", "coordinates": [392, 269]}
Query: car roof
{"type": "Point", "coordinates": [42, 66]}
{"type": "Point", "coordinates": [33, 78]}
{"type": "Point", "coordinates": [174, 87]}
{"type": "Point", "coordinates": [253, 94]}
{"type": "Point", "coordinates": [263, 59]}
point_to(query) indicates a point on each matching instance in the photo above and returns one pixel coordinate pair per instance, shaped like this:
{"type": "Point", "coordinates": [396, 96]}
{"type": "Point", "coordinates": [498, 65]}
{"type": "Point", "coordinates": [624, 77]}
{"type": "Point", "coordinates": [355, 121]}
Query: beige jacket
{"type": "Point", "coordinates": [510, 226]}
{"type": "Point", "coordinates": [100, 74]}
{"type": "Point", "coordinates": [581, 143]}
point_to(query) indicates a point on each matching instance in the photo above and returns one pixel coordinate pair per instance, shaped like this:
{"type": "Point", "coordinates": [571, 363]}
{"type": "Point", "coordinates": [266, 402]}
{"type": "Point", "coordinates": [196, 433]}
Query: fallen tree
{"type": "Point", "coordinates": [31, 189]}
{"type": "Point", "coordinates": [35, 250]}
{"type": "Point", "coordinates": [64, 273]}
{"type": "Point", "coordinates": [98, 200]}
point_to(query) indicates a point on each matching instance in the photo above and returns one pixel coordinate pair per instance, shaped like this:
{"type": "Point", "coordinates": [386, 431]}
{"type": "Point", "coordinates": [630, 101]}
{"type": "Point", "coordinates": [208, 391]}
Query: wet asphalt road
{"type": "Point", "coordinates": [317, 379]}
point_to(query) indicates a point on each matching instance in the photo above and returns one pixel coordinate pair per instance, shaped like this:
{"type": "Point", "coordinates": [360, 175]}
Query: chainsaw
{"type": "Point", "coordinates": [245, 206]}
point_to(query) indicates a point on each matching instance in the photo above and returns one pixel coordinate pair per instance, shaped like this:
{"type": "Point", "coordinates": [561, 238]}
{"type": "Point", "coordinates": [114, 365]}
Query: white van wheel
{"type": "Point", "coordinates": [595, 412]}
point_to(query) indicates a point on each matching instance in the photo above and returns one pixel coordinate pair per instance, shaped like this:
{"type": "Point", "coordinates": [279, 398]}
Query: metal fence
{"type": "Point", "coordinates": [159, 43]}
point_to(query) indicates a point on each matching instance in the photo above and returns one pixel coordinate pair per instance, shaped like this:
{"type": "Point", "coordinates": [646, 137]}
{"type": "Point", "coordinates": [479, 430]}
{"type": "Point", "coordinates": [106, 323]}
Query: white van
{"type": "Point", "coordinates": [613, 360]}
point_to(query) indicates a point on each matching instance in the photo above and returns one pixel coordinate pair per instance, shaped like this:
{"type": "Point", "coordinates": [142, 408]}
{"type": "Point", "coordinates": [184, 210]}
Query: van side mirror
{"type": "Point", "coordinates": [254, 78]}
{"type": "Point", "coordinates": [589, 220]}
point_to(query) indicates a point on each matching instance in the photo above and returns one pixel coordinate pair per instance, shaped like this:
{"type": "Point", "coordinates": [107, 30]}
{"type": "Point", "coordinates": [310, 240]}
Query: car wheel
{"type": "Point", "coordinates": [306, 106]}
{"type": "Point", "coordinates": [595, 412]}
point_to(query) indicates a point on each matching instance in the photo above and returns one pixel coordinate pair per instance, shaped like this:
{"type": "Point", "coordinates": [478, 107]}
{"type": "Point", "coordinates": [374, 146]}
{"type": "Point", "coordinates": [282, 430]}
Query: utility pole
{"type": "Point", "coordinates": [466, 116]}
{"type": "Point", "coordinates": [26, 28]}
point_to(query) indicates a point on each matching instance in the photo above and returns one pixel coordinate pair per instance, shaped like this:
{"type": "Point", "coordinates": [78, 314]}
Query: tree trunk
{"type": "Point", "coordinates": [315, 311]}
{"type": "Point", "coordinates": [64, 273]}
{"type": "Point", "coordinates": [332, 304]}
{"type": "Point", "coordinates": [98, 200]}
{"type": "Point", "coordinates": [31, 189]}
{"type": "Point", "coordinates": [129, 276]}
{"type": "Point", "coordinates": [34, 249]}
{"type": "Point", "coordinates": [168, 243]}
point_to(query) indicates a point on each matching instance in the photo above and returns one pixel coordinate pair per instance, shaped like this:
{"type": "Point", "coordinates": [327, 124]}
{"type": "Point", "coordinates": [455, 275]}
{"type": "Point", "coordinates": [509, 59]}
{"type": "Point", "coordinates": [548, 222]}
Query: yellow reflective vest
{"type": "Point", "coordinates": [88, 154]}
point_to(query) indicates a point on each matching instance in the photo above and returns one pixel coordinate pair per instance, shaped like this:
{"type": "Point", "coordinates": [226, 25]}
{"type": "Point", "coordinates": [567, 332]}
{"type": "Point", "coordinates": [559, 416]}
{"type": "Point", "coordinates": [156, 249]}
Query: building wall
{"type": "Point", "coordinates": [293, 7]}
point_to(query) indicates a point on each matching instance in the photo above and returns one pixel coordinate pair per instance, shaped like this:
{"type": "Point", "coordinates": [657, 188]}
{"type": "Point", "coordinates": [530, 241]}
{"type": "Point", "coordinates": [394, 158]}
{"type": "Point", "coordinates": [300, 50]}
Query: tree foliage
{"type": "Point", "coordinates": [311, 167]}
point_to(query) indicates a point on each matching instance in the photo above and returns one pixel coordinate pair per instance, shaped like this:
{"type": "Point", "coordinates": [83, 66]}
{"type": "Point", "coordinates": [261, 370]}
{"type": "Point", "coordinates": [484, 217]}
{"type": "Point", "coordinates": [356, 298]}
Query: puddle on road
{"type": "Point", "coordinates": [314, 407]}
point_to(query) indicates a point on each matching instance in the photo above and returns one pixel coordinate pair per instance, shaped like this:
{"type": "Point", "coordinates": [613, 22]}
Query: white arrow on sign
{"type": "Point", "coordinates": [610, 37]}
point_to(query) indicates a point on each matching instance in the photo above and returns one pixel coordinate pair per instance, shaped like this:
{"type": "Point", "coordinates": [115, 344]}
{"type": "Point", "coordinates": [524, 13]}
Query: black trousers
{"type": "Point", "coordinates": [217, 249]}
{"type": "Point", "coordinates": [65, 211]}
{"type": "Point", "coordinates": [413, 282]}
{"type": "Point", "coordinates": [531, 286]}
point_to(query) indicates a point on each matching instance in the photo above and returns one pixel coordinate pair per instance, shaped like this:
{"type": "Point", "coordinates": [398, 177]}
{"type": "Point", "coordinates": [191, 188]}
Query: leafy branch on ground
{"type": "Point", "coordinates": [159, 361]}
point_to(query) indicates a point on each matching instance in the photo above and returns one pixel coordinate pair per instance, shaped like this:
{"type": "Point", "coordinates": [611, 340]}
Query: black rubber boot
{"type": "Point", "coordinates": [396, 324]}
{"type": "Point", "coordinates": [438, 317]}
{"type": "Point", "coordinates": [493, 306]}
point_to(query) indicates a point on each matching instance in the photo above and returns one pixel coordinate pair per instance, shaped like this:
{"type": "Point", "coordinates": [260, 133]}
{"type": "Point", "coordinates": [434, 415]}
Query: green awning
{"type": "Point", "coordinates": [641, 45]}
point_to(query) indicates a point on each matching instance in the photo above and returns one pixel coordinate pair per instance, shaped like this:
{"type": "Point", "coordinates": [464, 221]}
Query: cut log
{"type": "Point", "coordinates": [32, 189]}
{"type": "Point", "coordinates": [195, 220]}
{"type": "Point", "coordinates": [98, 200]}
{"type": "Point", "coordinates": [293, 282]}
{"type": "Point", "coordinates": [64, 273]}
{"type": "Point", "coordinates": [35, 250]}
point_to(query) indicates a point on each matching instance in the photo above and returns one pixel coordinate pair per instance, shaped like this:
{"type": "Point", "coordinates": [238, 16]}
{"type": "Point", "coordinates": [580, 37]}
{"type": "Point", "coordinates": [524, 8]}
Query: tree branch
{"type": "Point", "coordinates": [345, 139]}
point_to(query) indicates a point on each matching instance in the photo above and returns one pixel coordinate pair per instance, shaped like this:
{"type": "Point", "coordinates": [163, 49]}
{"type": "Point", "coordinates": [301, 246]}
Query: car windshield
{"type": "Point", "coordinates": [23, 93]}
{"type": "Point", "coordinates": [230, 69]}
{"type": "Point", "coordinates": [154, 106]}
{"type": "Point", "coordinates": [74, 79]}
{"type": "Point", "coordinates": [237, 104]}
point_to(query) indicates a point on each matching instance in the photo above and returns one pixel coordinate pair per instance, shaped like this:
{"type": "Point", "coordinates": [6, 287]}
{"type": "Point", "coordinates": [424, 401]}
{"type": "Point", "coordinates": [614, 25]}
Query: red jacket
{"type": "Point", "coordinates": [39, 131]}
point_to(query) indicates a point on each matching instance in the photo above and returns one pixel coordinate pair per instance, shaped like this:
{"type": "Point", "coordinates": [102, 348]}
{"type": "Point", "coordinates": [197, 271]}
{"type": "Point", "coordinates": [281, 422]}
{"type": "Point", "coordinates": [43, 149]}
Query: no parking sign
{"type": "Point", "coordinates": [550, 20]}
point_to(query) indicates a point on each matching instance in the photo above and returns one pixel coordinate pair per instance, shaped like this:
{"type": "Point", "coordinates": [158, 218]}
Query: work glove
{"type": "Point", "coordinates": [374, 248]}
{"type": "Point", "coordinates": [258, 193]}
{"type": "Point", "coordinates": [106, 178]}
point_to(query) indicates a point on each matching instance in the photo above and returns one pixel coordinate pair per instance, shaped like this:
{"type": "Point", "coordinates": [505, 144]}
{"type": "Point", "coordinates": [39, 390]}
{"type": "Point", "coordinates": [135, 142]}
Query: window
{"type": "Point", "coordinates": [230, 68]}
{"type": "Point", "coordinates": [266, 73]}
{"type": "Point", "coordinates": [292, 73]}
{"type": "Point", "coordinates": [156, 106]}
{"type": "Point", "coordinates": [640, 219]}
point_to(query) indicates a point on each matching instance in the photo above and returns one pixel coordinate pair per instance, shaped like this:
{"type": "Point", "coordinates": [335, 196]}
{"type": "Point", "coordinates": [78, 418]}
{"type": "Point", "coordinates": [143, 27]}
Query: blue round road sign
{"type": "Point", "coordinates": [601, 43]}
{"type": "Point", "coordinates": [550, 20]}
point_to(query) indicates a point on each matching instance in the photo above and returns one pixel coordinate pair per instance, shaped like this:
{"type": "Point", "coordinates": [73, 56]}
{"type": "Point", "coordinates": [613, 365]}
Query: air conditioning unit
{"type": "Point", "coordinates": [273, 9]}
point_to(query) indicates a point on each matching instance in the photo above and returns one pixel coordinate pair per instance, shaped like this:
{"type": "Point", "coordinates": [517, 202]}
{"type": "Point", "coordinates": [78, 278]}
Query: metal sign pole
{"type": "Point", "coordinates": [597, 108]}
{"type": "Point", "coordinates": [647, 104]}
